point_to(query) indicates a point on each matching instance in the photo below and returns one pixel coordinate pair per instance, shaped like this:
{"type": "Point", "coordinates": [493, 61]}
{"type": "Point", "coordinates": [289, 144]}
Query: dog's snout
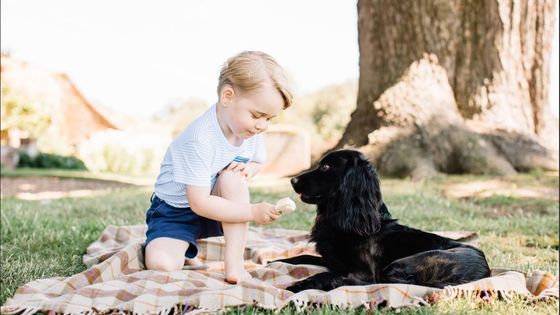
{"type": "Point", "coordinates": [294, 180]}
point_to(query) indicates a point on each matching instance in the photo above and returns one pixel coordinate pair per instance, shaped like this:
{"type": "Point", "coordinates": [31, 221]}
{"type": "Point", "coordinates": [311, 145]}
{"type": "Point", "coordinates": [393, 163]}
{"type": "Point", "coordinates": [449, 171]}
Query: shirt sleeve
{"type": "Point", "coordinates": [191, 162]}
{"type": "Point", "coordinates": [259, 156]}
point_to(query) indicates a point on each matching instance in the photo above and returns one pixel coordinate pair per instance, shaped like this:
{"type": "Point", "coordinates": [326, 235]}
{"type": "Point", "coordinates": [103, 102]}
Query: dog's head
{"type": "Point", "coordinates": [345, 187]}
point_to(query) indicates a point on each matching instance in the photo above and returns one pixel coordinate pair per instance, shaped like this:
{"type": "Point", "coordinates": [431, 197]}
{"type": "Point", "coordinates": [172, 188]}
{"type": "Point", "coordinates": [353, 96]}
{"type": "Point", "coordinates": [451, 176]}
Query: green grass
{"type": "Point", "coordinates": [41, 239]}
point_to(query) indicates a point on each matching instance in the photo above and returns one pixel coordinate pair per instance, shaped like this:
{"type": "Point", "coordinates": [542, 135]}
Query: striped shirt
{"type": "Point", "coordinates": [197, 155]}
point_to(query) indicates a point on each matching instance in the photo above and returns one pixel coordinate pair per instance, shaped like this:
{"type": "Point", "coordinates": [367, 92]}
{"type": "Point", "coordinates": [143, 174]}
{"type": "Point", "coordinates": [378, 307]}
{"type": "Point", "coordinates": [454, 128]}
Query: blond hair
{"type": "Point", "coordinates": [249, 70]}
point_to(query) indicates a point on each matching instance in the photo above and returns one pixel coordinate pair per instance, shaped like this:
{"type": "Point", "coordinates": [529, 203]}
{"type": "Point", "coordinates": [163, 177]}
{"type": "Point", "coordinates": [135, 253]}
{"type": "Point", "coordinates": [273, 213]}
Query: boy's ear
{"type": "Point", "coordinates": [227, 94]}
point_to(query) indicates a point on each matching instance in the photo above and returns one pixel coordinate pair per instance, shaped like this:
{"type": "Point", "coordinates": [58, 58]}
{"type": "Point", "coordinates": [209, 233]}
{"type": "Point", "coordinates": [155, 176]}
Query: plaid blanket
{"type": "Point", "coordinates": [116, 280]}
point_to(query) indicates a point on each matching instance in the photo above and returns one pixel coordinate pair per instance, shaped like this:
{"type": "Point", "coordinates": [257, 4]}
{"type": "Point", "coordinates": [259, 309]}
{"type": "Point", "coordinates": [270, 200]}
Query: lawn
{"type": "Point", "coordinates": [518, 229]}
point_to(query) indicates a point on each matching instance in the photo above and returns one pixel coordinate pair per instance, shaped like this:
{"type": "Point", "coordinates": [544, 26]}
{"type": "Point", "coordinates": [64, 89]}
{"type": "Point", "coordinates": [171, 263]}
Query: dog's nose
{"type": "Point", "coordinates": [294, 180]}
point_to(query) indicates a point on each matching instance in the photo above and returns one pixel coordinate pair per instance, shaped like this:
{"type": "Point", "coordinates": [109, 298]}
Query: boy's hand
{"type": "Point", "coordinates": [237, 167]}
{"type": "Point", "coordinates": [264, 213]}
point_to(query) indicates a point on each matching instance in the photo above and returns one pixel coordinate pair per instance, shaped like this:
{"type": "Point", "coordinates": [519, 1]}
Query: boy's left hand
{"type": "Point", "coordinates": [238, 167]}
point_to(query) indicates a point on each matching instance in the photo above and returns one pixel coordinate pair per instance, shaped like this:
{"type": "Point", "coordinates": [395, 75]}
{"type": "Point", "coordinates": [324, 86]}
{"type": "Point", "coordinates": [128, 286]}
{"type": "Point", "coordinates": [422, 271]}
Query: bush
{"type": "Point", "coordinates": [25, 160]}
{"type": "Point", "coordinates": [125, 152]}
{"type": "Point", "coordinates": [324, 114]}
{"type": "Point", "coordinates": [47, 160]}
{"type": "Point", "coordinates": [180, 113]}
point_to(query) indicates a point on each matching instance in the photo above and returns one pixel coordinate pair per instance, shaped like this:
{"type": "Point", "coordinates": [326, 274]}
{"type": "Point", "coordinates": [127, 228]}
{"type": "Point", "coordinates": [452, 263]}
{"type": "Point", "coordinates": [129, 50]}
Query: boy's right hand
{"type": "Point", "coordinates": [264, 213]}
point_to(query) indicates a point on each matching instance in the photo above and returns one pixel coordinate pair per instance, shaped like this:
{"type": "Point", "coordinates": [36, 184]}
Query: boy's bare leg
{"type": "Point", "coordinates": [233, 186]}
{"type": "Point", "coordinates": [165, 254]}
{"type": "Point", "coordinates": [235, 237]}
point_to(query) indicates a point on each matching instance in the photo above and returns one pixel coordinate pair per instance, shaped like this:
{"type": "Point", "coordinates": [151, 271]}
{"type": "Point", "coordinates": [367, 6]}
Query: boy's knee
{"type": "Point", "coordinates": [163, 262]}
{"type": "Point", "coordinates": [158, 258]}
{"type": "Point", "coordinates": [232, 185]}
{"type": "Point", "coordinates": [231, 178]}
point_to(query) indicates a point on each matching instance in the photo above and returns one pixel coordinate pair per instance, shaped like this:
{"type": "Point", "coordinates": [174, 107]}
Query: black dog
{"type": "Point", "coordinates": [361, 244]}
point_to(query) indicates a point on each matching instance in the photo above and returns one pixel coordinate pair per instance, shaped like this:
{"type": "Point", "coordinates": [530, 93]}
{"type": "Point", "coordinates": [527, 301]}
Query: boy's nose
{"type": "Point", "coordinates": [260, 126]}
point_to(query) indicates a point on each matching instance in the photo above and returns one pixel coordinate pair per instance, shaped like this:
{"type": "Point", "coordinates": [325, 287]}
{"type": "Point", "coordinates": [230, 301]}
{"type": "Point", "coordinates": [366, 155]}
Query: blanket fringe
{"type": "Point", "coordinates": [491, 295]}
{"type": "Point", "coordinates": [175, 309]}
{"type": "Point", "coordinates": [479, 295]}
{"type": "Point", "coordinates": [30, 311]}
{"type": "Point", "coordinates": [23, 310]}
{"type": "Point", "coordinates": [309, 305]}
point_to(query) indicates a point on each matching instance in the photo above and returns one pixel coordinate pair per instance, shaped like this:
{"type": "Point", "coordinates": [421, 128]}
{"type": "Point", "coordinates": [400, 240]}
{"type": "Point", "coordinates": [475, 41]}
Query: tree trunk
{"type": "Point", "coordinates": [455, 86]}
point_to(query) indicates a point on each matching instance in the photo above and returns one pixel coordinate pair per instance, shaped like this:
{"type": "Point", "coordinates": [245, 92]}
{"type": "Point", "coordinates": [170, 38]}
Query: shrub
{"type": "Point", "coordinates": [324, 114]}
{"type": "Point", "coordinates": [125, 152]}
{"type": "Point", "coordinates": [25, 160]}
{"type": "Point", "coordinates": [180, 113]}
{"type": "Point", "coordinates": [48, 160]}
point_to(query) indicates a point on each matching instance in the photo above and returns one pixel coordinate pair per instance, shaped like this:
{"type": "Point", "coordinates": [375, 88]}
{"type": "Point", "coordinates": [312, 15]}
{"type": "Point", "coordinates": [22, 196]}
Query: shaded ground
{"type": "Point", "coordinates": [54, 187]}
{"type": "Point", "coordinates": [489, 188]}
{"type": "Point", "coordinates": [509, 197]}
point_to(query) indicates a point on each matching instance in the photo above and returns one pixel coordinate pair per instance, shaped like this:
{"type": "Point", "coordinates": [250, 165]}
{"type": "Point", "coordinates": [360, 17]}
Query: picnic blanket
{"type": "Point", "coordinates": [116, 280]}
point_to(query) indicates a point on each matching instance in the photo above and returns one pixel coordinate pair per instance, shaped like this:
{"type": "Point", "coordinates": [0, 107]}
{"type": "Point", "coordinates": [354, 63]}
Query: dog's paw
{"type": "Point", "coordinates": [295, 288]}
{"type": "Point", "coordinates": [299, 286]}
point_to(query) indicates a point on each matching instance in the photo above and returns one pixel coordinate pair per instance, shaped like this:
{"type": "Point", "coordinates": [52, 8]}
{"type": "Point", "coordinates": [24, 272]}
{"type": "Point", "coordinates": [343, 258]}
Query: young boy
{"type": "Point", "coordinates": [202, 190]}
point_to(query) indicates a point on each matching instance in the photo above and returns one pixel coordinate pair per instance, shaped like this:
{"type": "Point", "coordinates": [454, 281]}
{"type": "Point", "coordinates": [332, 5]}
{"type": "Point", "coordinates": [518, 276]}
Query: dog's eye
{"type": "Point", "coordinates": [324, 167]}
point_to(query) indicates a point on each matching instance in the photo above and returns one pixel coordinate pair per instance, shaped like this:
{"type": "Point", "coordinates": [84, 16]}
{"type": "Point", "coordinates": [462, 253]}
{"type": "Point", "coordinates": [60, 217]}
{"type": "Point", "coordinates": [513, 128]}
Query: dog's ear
{"type": "Point", "coordinates": [354, 204]}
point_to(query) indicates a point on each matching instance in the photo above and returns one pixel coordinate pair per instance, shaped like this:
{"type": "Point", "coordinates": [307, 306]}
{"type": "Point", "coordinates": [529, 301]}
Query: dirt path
{"type": "Point", "coordinates": [12, 186]}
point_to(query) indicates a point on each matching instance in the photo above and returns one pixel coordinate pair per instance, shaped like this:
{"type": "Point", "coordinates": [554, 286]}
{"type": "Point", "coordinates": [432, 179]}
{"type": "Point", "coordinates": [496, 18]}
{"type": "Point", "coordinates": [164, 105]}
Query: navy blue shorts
{"type": "Point", "coordinates": [179, 223]}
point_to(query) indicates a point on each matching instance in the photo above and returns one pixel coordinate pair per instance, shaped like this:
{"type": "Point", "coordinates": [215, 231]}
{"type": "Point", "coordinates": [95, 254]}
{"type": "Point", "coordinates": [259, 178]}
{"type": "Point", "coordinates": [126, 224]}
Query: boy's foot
{"type": "Point", "coordinates": [236, 277]}
{"type": "Point", "coordinates": [194, 264]}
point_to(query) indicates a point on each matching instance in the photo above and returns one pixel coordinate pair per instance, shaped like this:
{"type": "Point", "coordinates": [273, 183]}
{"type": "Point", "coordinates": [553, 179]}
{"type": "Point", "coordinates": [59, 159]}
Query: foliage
{"type": "Point", "coordinates": [50, 142]}
{"type": "Point", "coordinates": [179, 114]}
{"type": "Point", "coordinates": [324, 114]}
{"type": "Point", "coordinates": [47, 160]}
{"type": "Point", "coordinates": [25, 115]}
{"type": "Point", "coordinates": [33, 117]}
{"type": "Point", "coordinates": [124, 152]}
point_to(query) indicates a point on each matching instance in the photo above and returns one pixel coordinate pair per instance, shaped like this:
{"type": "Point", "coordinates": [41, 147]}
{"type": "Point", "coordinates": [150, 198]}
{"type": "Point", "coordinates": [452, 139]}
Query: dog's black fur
{"type": "Point", "coordinates": [361, 244]}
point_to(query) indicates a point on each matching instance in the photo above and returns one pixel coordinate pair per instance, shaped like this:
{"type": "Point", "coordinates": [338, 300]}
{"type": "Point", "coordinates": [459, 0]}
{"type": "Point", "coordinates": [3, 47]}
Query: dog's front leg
{"type": "Point", "coordinates": [353, 278]}
{"type": "Point", "coordinates": [304, 260]}
{"type": "Point", "coordinates": [318, 281]}
{"type": "Point", "coordinates": [327, 281]}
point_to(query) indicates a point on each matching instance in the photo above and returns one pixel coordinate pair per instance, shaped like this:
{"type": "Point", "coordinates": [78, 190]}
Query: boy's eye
{"type": "Point", "coordinates": [255, 116]}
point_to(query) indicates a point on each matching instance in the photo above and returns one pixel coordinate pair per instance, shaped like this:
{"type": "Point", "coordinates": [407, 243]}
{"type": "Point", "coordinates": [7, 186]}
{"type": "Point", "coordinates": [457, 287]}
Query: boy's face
{"type": "Point", "coordinates": [248, 113]}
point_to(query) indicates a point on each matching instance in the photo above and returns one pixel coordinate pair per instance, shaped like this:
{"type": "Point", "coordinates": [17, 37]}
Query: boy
{"type": "Point", "coordinates": [203, 177]}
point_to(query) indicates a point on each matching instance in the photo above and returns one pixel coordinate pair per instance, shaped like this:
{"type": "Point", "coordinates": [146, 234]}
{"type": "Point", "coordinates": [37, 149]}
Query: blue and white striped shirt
{"type": "Point", "coordinates": [196, 156]}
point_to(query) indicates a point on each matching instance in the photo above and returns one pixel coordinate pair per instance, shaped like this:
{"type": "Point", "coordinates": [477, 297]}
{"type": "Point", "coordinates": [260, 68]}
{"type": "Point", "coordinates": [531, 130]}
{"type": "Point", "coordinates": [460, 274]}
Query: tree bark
{"type": "Point", "coordinates": [487, 64]}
